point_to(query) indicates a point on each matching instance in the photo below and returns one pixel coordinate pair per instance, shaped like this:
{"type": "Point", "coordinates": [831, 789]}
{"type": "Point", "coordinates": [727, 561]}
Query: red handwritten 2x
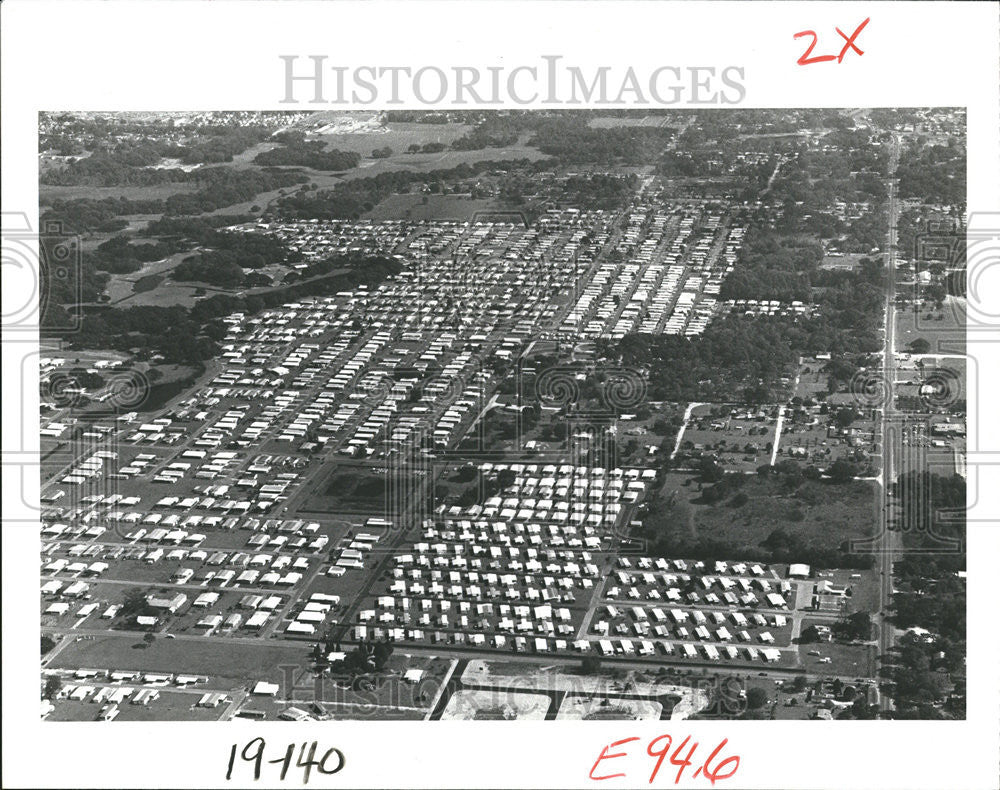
{"type": "Point", "coordinates": [806, 60]}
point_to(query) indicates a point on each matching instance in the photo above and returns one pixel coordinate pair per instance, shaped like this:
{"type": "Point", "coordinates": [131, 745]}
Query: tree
{"type": "Point", "coordinates": [756, 698]}
{"type": "Point", "coordinates": [809, 634]}
{"type": "Point", "coordinates": [149, 638]}
{"type": "Point", "coordinates": [842, 471]}
{"type": "Point", "coordinates": [47, 643]}
{"type": "Point", "coordinates": [855, 626]}
{"type": "Point", "coordinates": [920, 346]}
{"type": "Point", "coordinates": [711, 471]}
{"type": "Point", "coordinates": [53, 684]}
{"type": "Point", "coordinates": [381, 653]}
{"type": "Point", "coordinates": [590, 665]}
{"type": "Point", "coordinates": [506, 478]}
{"type": "Point", "coordinates": [134, 603]}
{"type": "Point", "coordinates": [936, 293]}
{"type": "Point", "coordinates": [845, 417]}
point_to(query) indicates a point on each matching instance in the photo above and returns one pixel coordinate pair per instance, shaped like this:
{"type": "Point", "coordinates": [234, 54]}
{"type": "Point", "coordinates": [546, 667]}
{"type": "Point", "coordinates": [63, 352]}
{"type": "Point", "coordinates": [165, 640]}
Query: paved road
{"type": "Point", "coordinates": [889, 542]}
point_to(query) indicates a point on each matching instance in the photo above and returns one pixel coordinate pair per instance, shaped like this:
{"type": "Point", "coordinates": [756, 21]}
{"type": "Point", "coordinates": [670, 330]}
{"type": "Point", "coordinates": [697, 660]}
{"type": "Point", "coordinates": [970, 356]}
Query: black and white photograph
{"type": "Point", "coordinates": [504, 415]}
{"type": "Point", "coordinates": [605, 402]}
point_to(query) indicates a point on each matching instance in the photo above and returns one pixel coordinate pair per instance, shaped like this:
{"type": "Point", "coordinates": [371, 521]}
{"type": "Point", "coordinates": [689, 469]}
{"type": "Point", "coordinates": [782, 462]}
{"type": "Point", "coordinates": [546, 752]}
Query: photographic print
{"type": "Point", "coordinates": [500, 394]}
{"type": "Point", "coordinates": [503, 415]}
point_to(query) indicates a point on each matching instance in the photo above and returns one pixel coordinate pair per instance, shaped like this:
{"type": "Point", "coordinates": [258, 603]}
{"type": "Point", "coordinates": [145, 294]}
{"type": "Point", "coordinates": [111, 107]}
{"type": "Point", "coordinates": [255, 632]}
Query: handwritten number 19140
{"type": "Point", "coordinates": [331, 762]}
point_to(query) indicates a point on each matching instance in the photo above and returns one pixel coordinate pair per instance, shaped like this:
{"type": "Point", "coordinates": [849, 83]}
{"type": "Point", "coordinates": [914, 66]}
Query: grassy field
{"type": "Point", "coordinates": [822, 514]}
{"type": "Point", "coordinates": [420, 163]}
{"type": "Point", "coordinates": [420, 208]}
{"type": "Point", "coordinates": [231, 663]}
{"type": "Point", "coordinates": [845, 660]}
{"type": "Point", "coordinates": [944, 329]}
{"type": "Point", "coordinates": [612, 122]}
{"type": "Point", "coordinates": [398, 137]}
{"type": "Point", "coordinates": [46, 193]}
{"type": "Point", "coordinates": [357, 490]}
{"type": "Point", "coordinates": [122, 287]}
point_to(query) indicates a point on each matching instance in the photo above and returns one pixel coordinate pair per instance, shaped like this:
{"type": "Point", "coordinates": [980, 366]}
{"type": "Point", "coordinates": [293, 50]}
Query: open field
{"type": "Point", "coordinates": [821, 514]}
{"type": "Point", "coordinates": [357, 489]}
{"type": "Point", "coordinates": [612, 122]}
{"type": "Point", "coordinates": [845, 660]}
{"type": "Point", "coordinates": [122, 287]}
{"type": "Point", "coordinates": [231, 663]}
{"type": "Point", "coordinates": [944, 329]}
{"type": "Point", "coordinates": [48, 193]}
{"type": "Point", "coordinates": [416, 163]}
{"type": "Point", "coordinates": [397, 136]}
{"type": "Point", "coordinates": [420, 208]}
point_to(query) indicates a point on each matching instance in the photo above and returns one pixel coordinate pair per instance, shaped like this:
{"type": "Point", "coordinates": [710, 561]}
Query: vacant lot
{"type": "Point", "coordinates": [823, 515]}
{"type": "Point", "coordinates": [944, 329]}
{"type": "Point", "coordinates": [230, 663]}
{"type": "Point", "coordinates": [397, 136]}
{"type": "Point", "coordinates": [612, 122]}
{"type": "Point", "coordinates": [419, 208]}
{"type": "Point", "coordinates": [46, 194]}
{"type": "Point", "coordinates": [359, 490]}
{"type": "Point", "coordinates": [845, 660]}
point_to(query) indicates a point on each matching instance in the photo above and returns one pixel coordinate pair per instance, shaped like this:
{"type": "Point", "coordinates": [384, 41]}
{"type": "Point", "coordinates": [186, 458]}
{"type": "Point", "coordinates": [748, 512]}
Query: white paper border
{"type": "Point", "coordinates": [224, 55]}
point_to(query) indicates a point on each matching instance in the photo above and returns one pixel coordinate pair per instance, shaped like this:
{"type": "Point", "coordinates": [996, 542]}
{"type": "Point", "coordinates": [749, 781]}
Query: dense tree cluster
{"type": "Point", "coordinates": [731, 353]}
{"type": "Point", "coordinates": [782, 545]}
{"type": "Point", "coordinates": [570, 140]}
{"type": "Point", "coordinates": [130, 155]}
{"type": "Point", "coordinates": [107, 170]}
{"type": "Point", "coordinates": [119, 255]}
{"type": "Point", "coordinates": [217, 187]}
{"type": "Point", "coordinates": [295, 150]}
{"type": "Point", "coordinates": [350, 199]}
{"type": "Point", "coordinates": [933, 174]}
{"type": "Point", "coordinates": [231, 253]}
{"type": "Point", "coordinates": [216, 144]}
{"type": "Point", "coordinates": [225, 186]}
{"type": "Point", "coordinates": [86, 215]}
{"type": "Point", "coordinates": [214, 269]}
{"type": "Point", "coordinates": [190, 336]}
{"type": "Point", "coordinates": [928, 666]}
